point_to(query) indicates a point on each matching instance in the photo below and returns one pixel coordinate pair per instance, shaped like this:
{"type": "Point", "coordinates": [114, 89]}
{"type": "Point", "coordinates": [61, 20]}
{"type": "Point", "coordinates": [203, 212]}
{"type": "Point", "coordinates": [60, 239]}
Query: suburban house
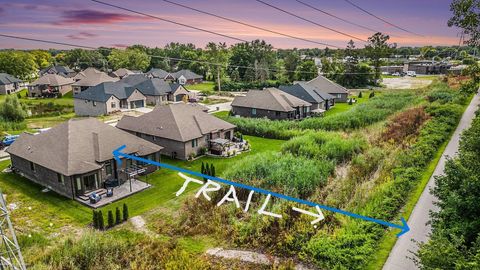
{"type": "Point", "coordinates": [320, 100]}
{"type": "Point", "coordinates": [88, 78]}
{"type": "Point", "coordinates": [158, 91]}
{"type": "Point", "coordinates": [107, 97]}
{"type": "Point", "coordinates": [9, 84]}
{"type": "Point", "coordinates": [182, 77]}
{"type": "Point", "coordinates": [271, 103]}
{"type": "Point", "coordinates": [325, 85]}
{"type": "Point", "coordinates": [121, 73]}
{"type": "Point", "coordinates": [75, 158]}
{"type": "Point", "coordinates": [50, 85]}
{"type": "Point", "coordinates": [59, 70]}
{"type": "Point", "coordinates": [184, 130]}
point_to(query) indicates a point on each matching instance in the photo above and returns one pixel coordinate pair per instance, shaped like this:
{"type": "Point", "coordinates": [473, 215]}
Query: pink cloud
{"type": "Point", "coordinates": [81, 35]}
{"type": "Point", "coordinates": [88, 16]}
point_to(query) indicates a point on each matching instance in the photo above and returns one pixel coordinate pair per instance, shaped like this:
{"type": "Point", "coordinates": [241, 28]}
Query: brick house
{"type": "Point", "coordinates": [9, 84]}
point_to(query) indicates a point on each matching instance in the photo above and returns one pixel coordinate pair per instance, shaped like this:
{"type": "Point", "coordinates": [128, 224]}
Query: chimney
{"type": "Point", "coordinates": [96, 146]}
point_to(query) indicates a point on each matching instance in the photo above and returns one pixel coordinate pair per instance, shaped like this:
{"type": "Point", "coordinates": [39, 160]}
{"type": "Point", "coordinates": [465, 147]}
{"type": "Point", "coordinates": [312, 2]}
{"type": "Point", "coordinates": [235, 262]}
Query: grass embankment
{"type": "Point", "coordinates": [387, 242]}
{"type": "Point", "coordinates": [204, 86]}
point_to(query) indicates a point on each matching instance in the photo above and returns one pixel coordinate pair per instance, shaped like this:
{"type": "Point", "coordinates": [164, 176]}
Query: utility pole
{"type": "Point", "coordinates": [218, 79]}
{"type": "Point", "coordinates": [10, 254]}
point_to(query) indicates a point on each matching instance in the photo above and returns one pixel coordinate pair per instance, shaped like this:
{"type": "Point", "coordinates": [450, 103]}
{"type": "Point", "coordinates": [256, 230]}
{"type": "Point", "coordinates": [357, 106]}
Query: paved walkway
{"type": "Point", "coordinates": [401, 254]}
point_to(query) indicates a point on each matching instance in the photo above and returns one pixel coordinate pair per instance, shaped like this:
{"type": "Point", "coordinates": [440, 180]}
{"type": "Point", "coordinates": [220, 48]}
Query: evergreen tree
{"type": "Point", "coordinates": [118, 216]}
{"type": "Point", "coordinates": [110, 219]}
{"type": "Point", "coordinates": [95, 219]}
{"type": "Point", "coordinates": [125, 212]}
{"type": "Point", "coordinates": [372, 94]}
{"type": "Point", "coordinates": [360, 94]}
{"type": "Point", "coordinates": [101, 222]}
{"type": "Point", "coordinates": [212, 170]}
{"type": "Point", "coordinates": [207, 169]}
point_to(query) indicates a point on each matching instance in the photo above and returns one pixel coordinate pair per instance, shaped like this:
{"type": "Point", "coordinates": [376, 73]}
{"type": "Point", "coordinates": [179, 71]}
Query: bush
{"type": "Point", "coordinates": [101, 221]}
{"type": "Point", "coordinates": [125, 212]}
{"type": "Point", "coordinates": [12, 110]}
{"type": "Point", "coordinates": [95, 220]}
{"type": "Point", "coordinates": [118, 216]}
{"type": "Point", "coordinates": [111, 222]}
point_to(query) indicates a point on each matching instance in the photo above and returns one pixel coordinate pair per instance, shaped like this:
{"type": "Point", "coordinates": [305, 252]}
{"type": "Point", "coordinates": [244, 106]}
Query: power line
{"type": "Point", "coordinates": [381, 19]}
{"type": "Point", "coordinates": [170, 21]}
{"type": "Point", "coordinates": [249, 25]}
{"type": "Point", "coordinates": [310, 21]}
{"type": "Point", "coordinates": [174, 58]}
{"type": "Point", "coordinates": [337, 17]}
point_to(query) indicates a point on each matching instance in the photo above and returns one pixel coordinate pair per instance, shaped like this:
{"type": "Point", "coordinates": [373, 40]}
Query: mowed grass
{"type": "Point", "coordinates": [46, 208]}
{"type": "Point", "coordinates": [204, 86]}
{"type": "Point", "coordinates": [343, 107]}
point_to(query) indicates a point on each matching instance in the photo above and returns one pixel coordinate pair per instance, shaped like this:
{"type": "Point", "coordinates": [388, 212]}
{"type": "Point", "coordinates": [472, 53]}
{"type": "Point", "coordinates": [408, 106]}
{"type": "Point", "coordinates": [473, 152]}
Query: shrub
{"type": "Point", "coordinates": [111, 222]}
{"type": "Point", "coordinates": [94, 219]}
{"type": "Point", "coordinates": [12, 110]}
{"type": "Point", "coordinates": [118, 216]}
{"type": "Point", "coordinates": [101, 221]}
{"type": "Point", "coordinates": [405, 124]}
{"type": "Point", "coordinates": [125, 212]}
{"type": "Point", "coordinates": [360, 94]}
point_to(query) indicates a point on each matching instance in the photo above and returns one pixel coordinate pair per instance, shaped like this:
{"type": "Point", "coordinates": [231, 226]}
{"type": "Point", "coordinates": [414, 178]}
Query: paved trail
{"type": "Point", "coordinates": [400, 256]}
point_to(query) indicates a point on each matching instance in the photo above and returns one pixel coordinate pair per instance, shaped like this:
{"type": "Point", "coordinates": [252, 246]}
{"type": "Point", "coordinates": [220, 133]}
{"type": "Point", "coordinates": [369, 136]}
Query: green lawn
{"type": "Point", "coordinates": [343, 107]}
{"type": "Point", "coordinates": [204, 86]}
{"type": "Point", "coordinates": [50, 207]}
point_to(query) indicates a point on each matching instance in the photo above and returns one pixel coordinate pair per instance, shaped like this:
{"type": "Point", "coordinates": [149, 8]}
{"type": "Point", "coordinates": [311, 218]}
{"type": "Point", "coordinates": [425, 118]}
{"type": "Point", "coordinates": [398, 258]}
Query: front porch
{"type": "Point", "coordinates": [124, 190]}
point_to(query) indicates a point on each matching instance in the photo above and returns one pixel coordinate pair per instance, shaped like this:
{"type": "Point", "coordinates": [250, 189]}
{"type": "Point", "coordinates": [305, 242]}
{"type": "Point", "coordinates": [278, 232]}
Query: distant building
{"type": "Point", "coordinates": [58, 70]}
{"type": "Point", "coordinates": [88, 78]}
{"type": "Point", "coordinates": [426, 67]}
{"type": "Point", "coordinates": [182, 129]}
{"type": "Point", "coordinates": [75, 158]}
{"type": "Point", "coordinates": [9, 84]}
{"type": "Point", "coordinates": [121, 73]}
{"type": "Point", "coordinates": [50, 85]}
{"type": "Point", "coordinates": [391, 69]}
{"type": "Point", "coordinates": [325, 85]}
{"type": "Point", "coordinates": [182, 77]}
{"type": "Point", "coordinates": [271, 103]}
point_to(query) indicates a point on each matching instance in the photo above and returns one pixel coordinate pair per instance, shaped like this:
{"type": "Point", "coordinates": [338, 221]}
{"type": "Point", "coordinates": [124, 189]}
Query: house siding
{"type": "Point", "coordinates": [8, 87]}
{"type": "Point", "coordinates": [136, 96]}
{"type": "Point", "coordinates": [43, 176]}
{"type": "Point", "coordinates": [85, 107]}
{"type": "Point", "coordinates": [260, 113]}
{"type": "Point", "coordinates": [156, 100]}
{"type": "Point", "coordinates": [340, 97]}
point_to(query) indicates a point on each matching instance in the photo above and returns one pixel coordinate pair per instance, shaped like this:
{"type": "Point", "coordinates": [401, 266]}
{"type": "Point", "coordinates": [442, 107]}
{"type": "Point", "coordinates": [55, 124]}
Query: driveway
{"type": "Point", "coordinates": [401, 254]}
{"type": "Point", "coordinates": [227, 106]}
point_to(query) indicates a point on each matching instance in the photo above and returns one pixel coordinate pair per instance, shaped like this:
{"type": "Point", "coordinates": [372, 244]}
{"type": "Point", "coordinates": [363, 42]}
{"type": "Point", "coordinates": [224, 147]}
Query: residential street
{"type": "Point", "coordinates": [401, 254]}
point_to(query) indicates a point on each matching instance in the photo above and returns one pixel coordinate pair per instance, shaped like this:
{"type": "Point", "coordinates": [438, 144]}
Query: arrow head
{"type": "Point", "coordinates": [404, 228]}
{"type": "Point", "coordinates": [117, 153]}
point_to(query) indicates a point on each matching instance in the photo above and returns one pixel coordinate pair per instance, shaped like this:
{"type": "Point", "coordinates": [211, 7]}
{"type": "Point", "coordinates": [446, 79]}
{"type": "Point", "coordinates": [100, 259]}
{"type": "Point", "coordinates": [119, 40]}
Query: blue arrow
{"type": "Point", "coordinates": [117, 153]}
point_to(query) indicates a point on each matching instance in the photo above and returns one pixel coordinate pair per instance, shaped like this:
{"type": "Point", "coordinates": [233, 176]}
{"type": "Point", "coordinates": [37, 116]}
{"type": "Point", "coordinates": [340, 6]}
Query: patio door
{"type": "Point", "coordinates": [90, 182]}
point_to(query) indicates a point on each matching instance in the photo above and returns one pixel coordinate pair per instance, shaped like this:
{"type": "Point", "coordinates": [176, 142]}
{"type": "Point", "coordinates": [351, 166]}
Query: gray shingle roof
{"type": "Point", "coordinates": [8, 79]}
{"type": "Point", "coordinates": [102, 92]}
{"type": "Point", "coordinates": [158, 73]}
{"type": "Point", "coordinates": [154, 87]}
{"type": "Point", "coordinates": [134, 79]}
{"type": "Point", "coordinates": [69, 148]}
{"type": "Point", "coordinates": [58, 69]}
{"type": "Point", "coordinates": [52, 80]}
{"type": "Point", "coordinates": [92, 77]}
{"type": "Point", "coordinates": [327, 85]}
{"type": "Point", "coordinates": [188, 74]}
{"type": "Point", "coordinates": [306, 92]}
{"type": "Point", "coordinates": [179, 122]}
{"type": "Point", "coordinates": [122, 72]}
{"type": "Point", "coordinates": [269, 99]}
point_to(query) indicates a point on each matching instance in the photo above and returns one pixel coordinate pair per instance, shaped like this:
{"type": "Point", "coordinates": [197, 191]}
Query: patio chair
{"type": "Point", "coordinates": [109, 192]}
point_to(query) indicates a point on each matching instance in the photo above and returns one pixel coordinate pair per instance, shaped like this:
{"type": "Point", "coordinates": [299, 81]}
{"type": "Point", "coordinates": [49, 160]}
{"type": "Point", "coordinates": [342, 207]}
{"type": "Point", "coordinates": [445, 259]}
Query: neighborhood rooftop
{"type": "Point", "coordinates": [306, 92]}
{"type": "Point", "coordinates": [179, 122]}
{"type": "Point", "coordinates": [102, 92]}
{"type": "Point", "coordinates": [327, 85]}
{"type": "Point", "coordinates": [77, 146]}
{"type": "Point", "coordinates": [53, 80]}
{"type": "Point", "coordinates": [8, 79]}
{"type": "Point", "coordinates": [269, 99]}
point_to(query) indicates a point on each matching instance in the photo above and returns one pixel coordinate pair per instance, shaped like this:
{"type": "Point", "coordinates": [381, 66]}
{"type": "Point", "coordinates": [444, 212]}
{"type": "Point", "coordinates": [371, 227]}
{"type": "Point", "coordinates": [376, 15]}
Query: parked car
{"type": "Point", "coordinates": [411, 73]}
{"type": "Point", "coordinates": [8, 140]}
{"type": "Point", "coordinates": [396, 74]}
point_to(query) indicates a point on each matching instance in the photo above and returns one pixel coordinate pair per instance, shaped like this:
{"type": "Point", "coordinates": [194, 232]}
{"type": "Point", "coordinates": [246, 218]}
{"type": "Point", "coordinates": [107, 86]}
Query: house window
{"type": "Point", "coordinates": [307, 109]}
{"type": "Point", "coordinates": [208, 137]}
{"type": "Point", "coordinates": [60, 178]}
{"type": "Point", "coordinates": [339, 95]}
{"type": "Point", "coordinates": [254, 111]}
{"type": "Point", "coordinates": [277, 113]}
{"type": "Point", "coordinates": [113, 105]}
{"type": "Point", "coordinates": [79, 183]}
{"type": "Point", "coordinates": [154, 138]}
{"type": "Point", "coordinates": [32, 166]}
{"type": "Point", "coordinates": [108, 168]}
{"type": "Point", "coordinates": [94, 103]}
{"type": "Point", "coordinates": [194, 143]}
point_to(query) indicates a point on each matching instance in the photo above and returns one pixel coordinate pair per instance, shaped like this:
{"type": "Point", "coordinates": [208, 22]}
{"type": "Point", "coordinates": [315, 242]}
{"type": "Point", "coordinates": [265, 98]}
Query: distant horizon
{"type": "Point", "coordinates": [91, 24]}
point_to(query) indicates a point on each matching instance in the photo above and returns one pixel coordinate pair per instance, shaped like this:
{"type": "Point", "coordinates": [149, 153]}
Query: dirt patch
{"type": "Point", "coordinates": [406, 82]}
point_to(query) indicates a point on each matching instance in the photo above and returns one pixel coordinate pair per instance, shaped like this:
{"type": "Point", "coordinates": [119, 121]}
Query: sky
{"type": "Point", "coordinates": [84, 22]}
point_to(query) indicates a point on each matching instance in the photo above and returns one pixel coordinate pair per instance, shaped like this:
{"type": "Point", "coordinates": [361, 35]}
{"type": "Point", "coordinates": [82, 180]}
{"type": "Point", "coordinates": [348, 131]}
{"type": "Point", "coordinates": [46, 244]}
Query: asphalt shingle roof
{"type": "Point", "coordinates": [327, 85]}
{"type": "Point", "coordinates": [92, 77]}
{"type": "Point", "coordinates": [179, 122]}
{"type": "Point", "coordinates": [52, 80]}
{"type": "Point", "coordinates": [70, 148]}
{"type": "Point", "coordinates": [188, 74]}
{"type": "Point", "coordinates": [158, 73]}
{"type": "Point", "coordinates": [6, 78]}
{"type": "Point", "coordinates": [269, 99]}
{"type": "Point", "coordinates": [306, 92]}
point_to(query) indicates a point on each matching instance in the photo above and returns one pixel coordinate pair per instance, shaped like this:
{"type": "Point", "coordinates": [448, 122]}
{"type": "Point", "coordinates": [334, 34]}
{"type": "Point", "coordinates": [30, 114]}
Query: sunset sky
{"type": "Point", "coordinates": [87, 23]}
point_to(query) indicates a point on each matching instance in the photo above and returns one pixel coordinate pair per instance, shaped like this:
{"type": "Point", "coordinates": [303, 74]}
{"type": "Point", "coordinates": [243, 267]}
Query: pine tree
{"type": "Point", "coordinates": [207, 169]}
{"type": "Point", "coordinates": [118, 216]}
{"type": "Point", "coordinates": [372, 94]}
{"type": "Point", "coordinates": [101, 222]}
{"type": "Point", "coordinates": [125, 212]}
{"type": "Point", "coordinates": [110, 219]}
{"type": "Point", "coordinates": [203, 168]}
{"type": "Point", "coordinates": [360, 94]}
{"type": "Point", "coordinates": [95, 219]}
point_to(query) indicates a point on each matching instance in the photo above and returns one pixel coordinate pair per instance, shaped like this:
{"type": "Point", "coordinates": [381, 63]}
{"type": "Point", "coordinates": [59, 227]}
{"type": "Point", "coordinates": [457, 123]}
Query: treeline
{"type": "Point", "coordinates": [455, 240]}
